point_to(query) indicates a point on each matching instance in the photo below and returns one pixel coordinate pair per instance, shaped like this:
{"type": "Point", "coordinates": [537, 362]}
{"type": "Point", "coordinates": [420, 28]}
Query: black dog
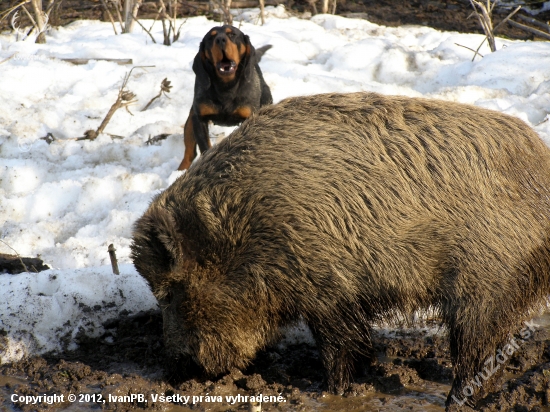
{"type": "Point", "coordinates": [229, 86]}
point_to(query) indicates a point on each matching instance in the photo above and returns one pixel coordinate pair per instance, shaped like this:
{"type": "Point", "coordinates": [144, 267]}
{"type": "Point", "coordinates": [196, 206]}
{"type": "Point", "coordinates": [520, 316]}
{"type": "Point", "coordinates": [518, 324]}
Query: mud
{"type": "Point", "coordinates": [412, 372]}
{"type": "Point", "coordinates": [14, 264]}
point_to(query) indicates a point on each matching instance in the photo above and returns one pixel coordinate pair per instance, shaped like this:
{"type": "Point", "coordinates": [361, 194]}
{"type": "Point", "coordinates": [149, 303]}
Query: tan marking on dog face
{"type": "Point", "coordinates": [232, 51]}
{"type": "Point", "coordinates": [228, 30]}
{"type": "Point", "coordinates": [243, 111]}
{"type": "Point", "coordinates": [216, 54]}
{"type": "Point", "coordinates": [213, 32]}
{"type": "Point", "coordinates": [229, 50]}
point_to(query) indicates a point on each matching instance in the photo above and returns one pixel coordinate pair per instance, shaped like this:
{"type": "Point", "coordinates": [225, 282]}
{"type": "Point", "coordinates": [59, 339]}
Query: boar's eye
{"type": "Point", "coordinates": [165, 299]}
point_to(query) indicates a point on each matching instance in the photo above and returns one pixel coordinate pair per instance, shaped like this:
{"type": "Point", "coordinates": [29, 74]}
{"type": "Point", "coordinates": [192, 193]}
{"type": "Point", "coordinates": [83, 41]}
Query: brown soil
{"type": "Point", "coordinates": [14, 264]}
{"type": "Point", "coordinates": [412, 371]}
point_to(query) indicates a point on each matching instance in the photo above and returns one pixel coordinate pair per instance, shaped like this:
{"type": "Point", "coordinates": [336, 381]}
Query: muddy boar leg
{"type": "Point", "coordinates": [340, 350]}
{"type": "Point", "coordinates": [473, 343]}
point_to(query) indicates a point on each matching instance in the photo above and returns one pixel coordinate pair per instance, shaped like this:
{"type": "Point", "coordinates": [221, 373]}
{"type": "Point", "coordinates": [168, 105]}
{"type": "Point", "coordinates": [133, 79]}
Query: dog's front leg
{"type": "Point", "coordinates": [200, 130]}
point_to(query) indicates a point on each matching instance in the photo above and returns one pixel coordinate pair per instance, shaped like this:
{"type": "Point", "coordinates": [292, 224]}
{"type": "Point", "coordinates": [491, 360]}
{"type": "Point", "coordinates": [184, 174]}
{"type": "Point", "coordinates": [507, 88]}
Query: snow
{"type": "Point", "coordinates": [51, 310]}
{"type": "Point", "coordinates": [68, 200]}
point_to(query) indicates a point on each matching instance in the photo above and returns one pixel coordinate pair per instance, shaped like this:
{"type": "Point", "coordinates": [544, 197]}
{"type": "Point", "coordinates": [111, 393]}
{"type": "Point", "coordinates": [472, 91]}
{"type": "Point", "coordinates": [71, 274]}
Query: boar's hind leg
{"type": "Point", "coordinates": [475, 333]}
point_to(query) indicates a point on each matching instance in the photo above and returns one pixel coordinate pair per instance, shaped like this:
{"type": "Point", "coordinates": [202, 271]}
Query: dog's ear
{"type": "Point", "coordinates": [249, 59]}
{"type": "Point", "coordinates": [199, 67]}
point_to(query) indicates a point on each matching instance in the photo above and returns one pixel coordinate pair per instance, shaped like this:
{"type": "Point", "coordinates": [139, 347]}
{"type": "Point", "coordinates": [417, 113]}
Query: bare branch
{"type": "Point", "coordinates": [475, 51]}
{"type": "Point", "coordinates": [531, 30]}
{"type": "Point", "coordinates": [155, 139]}
{"type": "Point", "coordinates": [485, 20]}
{"type": "Point", "coordinates": [177, 35]}
{"type": "Point", "coordinates": [35, 25]}
{"type": "Point", "coordinates": [131, 8]}
{"type": "Point", "coordinates": [534, 22]}
{"type": "Point", "coordinates": [262, 11]}
{"type": "Point", "coordinates": [479, 47]}
{"type": "Point", "coordinates": [8, 11]}
{"type": "Point", "coordinates": [483, 13]}
{"type": "Point", "coordinates": [313, 6]}
{"type": "Point", "coordinates": [156, 18]}
{"type": "Point", "coordinates": [146, 31]}
{"type": "Point", "coordinates": [50, 6]}
{"type": "Point", "coordinates": [164, 16]}
{"type": "Point", "coordinates": [8, 58]}
{"type": "Point", "coordinates": [227, 12]}
{"type": "Point", "coordinates": [85, 61]}
{"type": "Point", "coordinates": [110, 16]}
{"type": "Point", "coordinates": [112, 255]}
{"type": "Point", "coordinates": [117, 8]}
{"type": "Point", "coordinates": [41, 20]}
{"type": "Point", "coordinates": [518, 8]}
{"type": "Point", "coordinates": [164, 89]}
{"type": "Point", "coordinates": [124, 99]}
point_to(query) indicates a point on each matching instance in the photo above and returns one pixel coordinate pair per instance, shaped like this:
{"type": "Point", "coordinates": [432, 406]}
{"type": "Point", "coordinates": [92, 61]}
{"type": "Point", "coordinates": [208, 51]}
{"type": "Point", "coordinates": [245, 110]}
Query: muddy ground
{"type": "Point", "coordinates": [412, 371]}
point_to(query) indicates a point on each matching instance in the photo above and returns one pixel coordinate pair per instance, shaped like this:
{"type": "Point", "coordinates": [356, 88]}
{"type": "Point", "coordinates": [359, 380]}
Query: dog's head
{"type": "Point", "coordinates": [224, 50]}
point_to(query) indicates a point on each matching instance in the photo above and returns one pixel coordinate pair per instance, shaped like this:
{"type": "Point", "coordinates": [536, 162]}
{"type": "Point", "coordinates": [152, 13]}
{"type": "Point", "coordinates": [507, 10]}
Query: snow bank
{"type": "Point", "coordinates": [68, 200]}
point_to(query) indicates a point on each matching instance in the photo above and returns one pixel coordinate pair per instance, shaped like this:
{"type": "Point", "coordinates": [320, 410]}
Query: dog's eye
{"type": "Point", "coordinates": [230, 35]}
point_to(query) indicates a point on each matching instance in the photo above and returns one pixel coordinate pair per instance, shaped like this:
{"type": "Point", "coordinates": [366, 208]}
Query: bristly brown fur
{"type": "Point", "coordinates": [342, 209]}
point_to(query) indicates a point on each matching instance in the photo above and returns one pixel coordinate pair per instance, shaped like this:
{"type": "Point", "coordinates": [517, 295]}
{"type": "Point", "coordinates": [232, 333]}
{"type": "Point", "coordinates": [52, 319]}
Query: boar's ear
{"type": "Point", "coordinates": [156, 246]}
{"type": "Point", "coordinates": [208, 212]}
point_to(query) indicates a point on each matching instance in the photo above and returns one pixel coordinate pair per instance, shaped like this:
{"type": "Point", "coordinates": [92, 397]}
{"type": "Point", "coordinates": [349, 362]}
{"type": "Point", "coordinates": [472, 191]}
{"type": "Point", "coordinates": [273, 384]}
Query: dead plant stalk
{"type": "Point", "coordinates": [165, 87]}
{"type": "Point", "coordinates": [484, 14]}
{"type": "Point", "coordinates": [124, 99]}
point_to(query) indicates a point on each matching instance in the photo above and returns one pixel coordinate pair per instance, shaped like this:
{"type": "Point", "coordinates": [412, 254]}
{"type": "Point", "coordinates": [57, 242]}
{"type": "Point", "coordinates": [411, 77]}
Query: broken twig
{"type": "Point", "coordinates": [531, 30]}
{"type": "Point", "coordinates": [164, 88]}
{"type": "Point", "coordinates": [79, 61]}
{"type": "Point", "coordinates": [155, 139]}
{"type": "Point", "coordinates": [484, 16]}
{"type": "Point", "coordinates": [534, 22]}
{"type": "Point", "coordinates": [124, 99]}
{"type": "Point", "coordinates": [112, 255]}
{"type": "Point", "coordinates": [476, 52]}
{"type": "Point", "coordinates": [146, 31]}
{"type": "Point", "coordinates": [487, 26]}
{"type": "Point", "coordinates": [110, 16]}
{"type": "Point", "coordinates": [49, 138]}
{"type": "Point", "coordinates": [8, 58]}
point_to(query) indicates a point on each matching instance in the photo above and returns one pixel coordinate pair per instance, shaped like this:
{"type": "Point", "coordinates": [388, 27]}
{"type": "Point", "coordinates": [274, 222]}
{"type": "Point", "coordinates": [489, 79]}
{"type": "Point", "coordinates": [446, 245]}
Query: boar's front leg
{"type": "Point", "coordinates": [342, 347]}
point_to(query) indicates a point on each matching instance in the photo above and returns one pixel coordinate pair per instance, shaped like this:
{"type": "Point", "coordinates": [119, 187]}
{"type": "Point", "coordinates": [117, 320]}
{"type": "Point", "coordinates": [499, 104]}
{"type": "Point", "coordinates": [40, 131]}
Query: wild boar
{"type": "Point", "coordinates": [345, 209]}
